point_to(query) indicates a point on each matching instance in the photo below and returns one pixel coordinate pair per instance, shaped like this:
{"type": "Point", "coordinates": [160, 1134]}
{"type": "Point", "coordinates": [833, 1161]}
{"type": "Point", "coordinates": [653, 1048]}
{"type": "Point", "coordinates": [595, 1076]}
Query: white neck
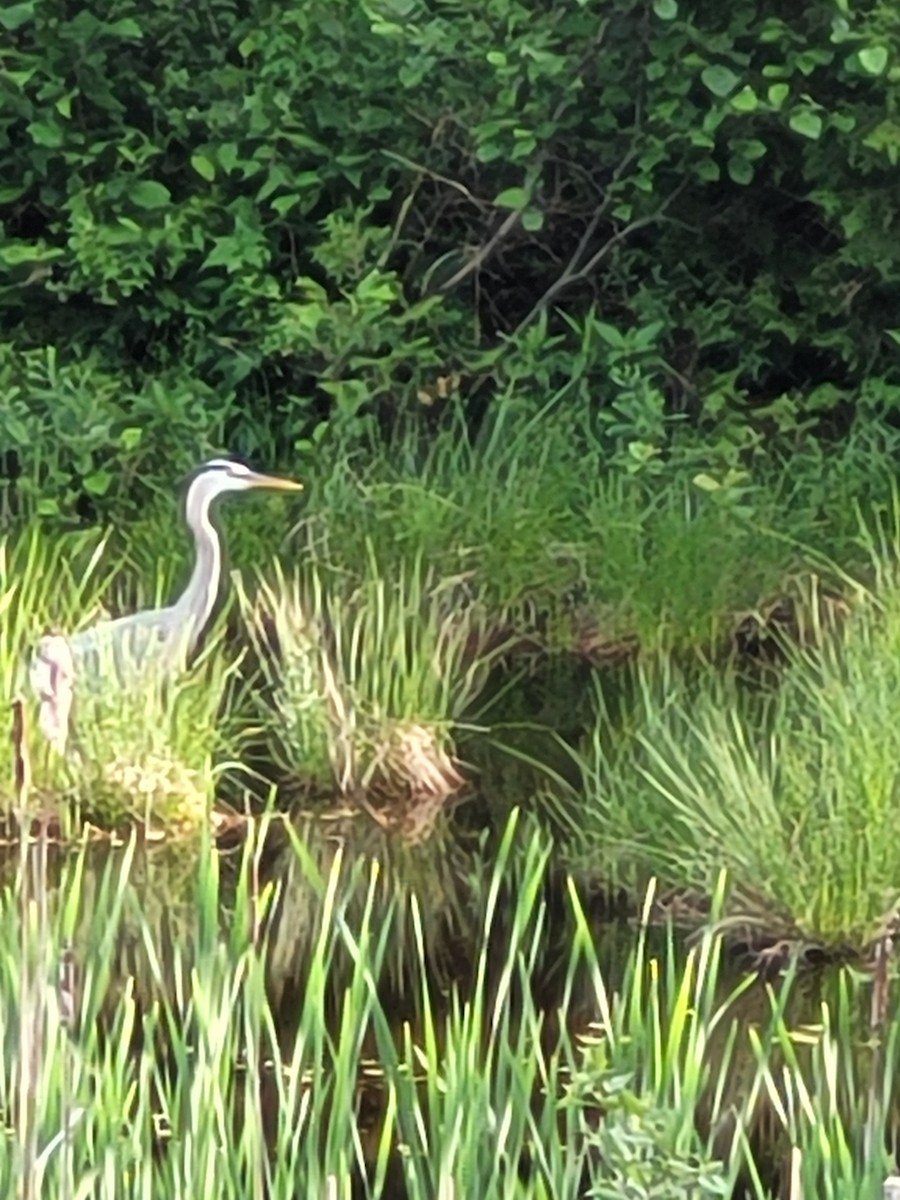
{"type": "Point", "coordinates": [194, 607]}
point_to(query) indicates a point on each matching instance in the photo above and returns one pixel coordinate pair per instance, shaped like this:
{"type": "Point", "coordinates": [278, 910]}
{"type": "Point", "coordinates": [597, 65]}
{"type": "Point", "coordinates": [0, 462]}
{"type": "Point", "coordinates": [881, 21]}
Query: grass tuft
{"type": "Point", "coordinates": [792, 790]}
{"type": "Point", "coordinates": [369, 680]}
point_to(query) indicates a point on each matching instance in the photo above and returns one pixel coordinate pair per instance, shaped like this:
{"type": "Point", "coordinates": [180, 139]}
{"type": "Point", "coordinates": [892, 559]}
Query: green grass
{"type": "Point", "coordinates": [483, 1092]}
{"type": "Point", "coordinates": [544, 533]}
{"type": "Point", "coordinates": [148, 755]}
{"type": "Point", "coordinates": [792, 789]}
{"type": "Point", "coordinates": [373, 673]}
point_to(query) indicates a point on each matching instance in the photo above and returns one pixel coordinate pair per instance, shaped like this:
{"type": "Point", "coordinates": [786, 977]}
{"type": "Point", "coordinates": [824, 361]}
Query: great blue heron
{"type": "Point", "coordinates": [119, 653]}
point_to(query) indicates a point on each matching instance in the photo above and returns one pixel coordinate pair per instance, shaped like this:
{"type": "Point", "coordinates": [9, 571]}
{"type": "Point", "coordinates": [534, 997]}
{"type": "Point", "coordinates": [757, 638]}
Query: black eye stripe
{"type": "Point", "coordinates": [222, 464]}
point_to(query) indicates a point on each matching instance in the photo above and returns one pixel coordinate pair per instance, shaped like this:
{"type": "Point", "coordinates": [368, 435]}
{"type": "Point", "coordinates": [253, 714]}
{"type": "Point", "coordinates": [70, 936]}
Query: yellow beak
{"type": "Point", "coordinates": [275, 482]}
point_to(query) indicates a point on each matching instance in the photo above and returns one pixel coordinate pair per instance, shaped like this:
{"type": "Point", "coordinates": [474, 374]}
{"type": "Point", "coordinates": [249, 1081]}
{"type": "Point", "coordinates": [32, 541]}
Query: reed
{"type": "Point", "coordinates": [646, 1077]}
{"type": "Point", "coordinates": [791, 789]}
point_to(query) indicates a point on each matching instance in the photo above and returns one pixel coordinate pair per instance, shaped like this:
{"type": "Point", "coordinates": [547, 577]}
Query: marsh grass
{"type": "Point", "coordinates": [426, 884]}
{"type": "Point", "coordinates": [197, 1088]}
{"type": "Point", "coordinates": [151, 754]}
{"type": "Point", "coordinates": [45, 583]}
{"type": "Point", "coordinates": [585, 556]}
{"type": "Point", "coordinates": [809, 1100]}
{"type": "Point", "coordinates": [792, 789]}
{"type": "Point", "coordinates": [368, 686]}
{"type": "Point", "coordinates": [154, 753]}
{"type": "Point", "coordinates": [370, 677]}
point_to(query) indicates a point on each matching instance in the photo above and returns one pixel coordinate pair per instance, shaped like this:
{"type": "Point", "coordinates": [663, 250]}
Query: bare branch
{"type": "Point", "coordinates": [576, 270]}
{"type": "Point", "coordinates": [428, 173]}
{"type": "Point", "coordinates": [512, 218]}
{"type": "Point", "coordinates": [485, 251]}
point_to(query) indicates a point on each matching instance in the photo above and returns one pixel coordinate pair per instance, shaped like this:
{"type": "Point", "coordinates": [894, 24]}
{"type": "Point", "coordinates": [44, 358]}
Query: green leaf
{"type": "Point", "coordinates": [532, 220]}
{"type": "Point", "coordinates": [706, 483]}
{"type": "Point", "coordinates": [17, 253]}
{"type": "Point", "coordinates": [284, 204]}
{"type": "Point", "coordinates": [14, 16]}
{"type": "Point", "coordinates": [204, 167]}
{"type": "Point", "coordinates": [125, 27]}
{"type": "Point", "coordinates": [489, 152]}
{"type": "Point", "coordinates": [227, 155]}
{"type": "Point", "coordinates": [514, 197]}
{"type": "Point", "coordinates": [752, 149]}
{"type": "Point", "coordinates": [720, 80]}
{"type": "Point", "coordinates": [778, 93]}
{"type": "Point", "coordinates": [610, 335]}
{"type": "Point", "coordinates": [666, 10]}
{"type": "Point", "coordinates": [740, 170]}
{"type": "Point", "coordinates": [806, 122]}
{"type": "Point", "coordinates": [745, 100]}
{"type": "Point", "coordinates": [97, 483]}
{"type": "Point", "coordinates": [873, 59]}
{"type": "Point", "coordinates": [148, 193]}
{"type": "Point", "coordinates": [708, 171]}
{"type": "Point", "coordinates": [225, 253]}
{"type": "Point", "coordinates": [46, 134]}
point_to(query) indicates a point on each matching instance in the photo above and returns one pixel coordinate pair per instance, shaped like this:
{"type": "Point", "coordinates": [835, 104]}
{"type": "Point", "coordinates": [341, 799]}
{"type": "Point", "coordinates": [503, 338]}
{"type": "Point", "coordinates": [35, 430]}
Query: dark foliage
{"type": "Point", "coordinates": [246, 223]}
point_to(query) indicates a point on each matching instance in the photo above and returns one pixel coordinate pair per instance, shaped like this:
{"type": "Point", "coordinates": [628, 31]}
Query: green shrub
{"type": "Point", "coordinates": [258, 220]}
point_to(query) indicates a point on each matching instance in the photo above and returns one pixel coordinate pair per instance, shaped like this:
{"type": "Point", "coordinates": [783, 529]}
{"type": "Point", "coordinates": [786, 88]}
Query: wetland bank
{"type": "Point", "coordinates": [436, 872]}
{"type": "Point", "coordinates": [525, 827]}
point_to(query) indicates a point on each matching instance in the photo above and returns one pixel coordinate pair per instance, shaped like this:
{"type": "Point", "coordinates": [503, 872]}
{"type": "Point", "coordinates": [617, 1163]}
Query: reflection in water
{"type": "Point", "coordinates": [165, 925]}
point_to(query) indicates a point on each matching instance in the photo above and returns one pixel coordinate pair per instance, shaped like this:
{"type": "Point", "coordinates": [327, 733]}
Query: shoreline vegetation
{"type": "Point", "coordinates": [441, 775]}
{"type": "Point", "coordinates": [526, 827]}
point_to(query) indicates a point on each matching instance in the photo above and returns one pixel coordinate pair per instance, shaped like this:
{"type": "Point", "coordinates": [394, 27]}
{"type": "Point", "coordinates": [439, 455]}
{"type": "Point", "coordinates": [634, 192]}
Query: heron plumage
{"type": "Point", "coordinates": [122, 652]}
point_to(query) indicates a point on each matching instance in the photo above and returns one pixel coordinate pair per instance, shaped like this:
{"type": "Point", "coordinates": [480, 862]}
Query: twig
{"type": "Point", "coordinates": [422, 169]}
{"type": "Point", "coordinates": [484, 252]}
{"type": "Point", "coordinates": [21, 761]}
{"type": "Point", "coordinates": [31, 1016]}
{"type": "Point", "coordinates": [576, 270]}
{"type": "Point", "coordinates": [512, 218]}
{"type": "Point", "coordinates": [384, 257]}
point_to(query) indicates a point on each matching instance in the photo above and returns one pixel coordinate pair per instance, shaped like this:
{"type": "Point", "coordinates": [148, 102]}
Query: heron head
{"type": "Point", "coordinates": [220, 475]}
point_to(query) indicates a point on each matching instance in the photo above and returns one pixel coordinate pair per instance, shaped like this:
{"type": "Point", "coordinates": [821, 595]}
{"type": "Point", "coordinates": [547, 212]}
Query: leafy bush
{"type": "Point", "coordinates": [637, 1151]}
{"type": "Point", "coordinates": [340, 211]}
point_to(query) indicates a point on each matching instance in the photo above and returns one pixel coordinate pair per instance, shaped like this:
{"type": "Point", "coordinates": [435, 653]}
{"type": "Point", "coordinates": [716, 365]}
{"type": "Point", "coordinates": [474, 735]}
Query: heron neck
{"type": "Point", "coordinates": [197, 602]}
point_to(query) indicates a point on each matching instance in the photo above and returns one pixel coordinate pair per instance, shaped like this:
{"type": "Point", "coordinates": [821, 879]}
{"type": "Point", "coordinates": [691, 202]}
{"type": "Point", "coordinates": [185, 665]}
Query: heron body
{"type": "Point", "coordinates": [159, 641]}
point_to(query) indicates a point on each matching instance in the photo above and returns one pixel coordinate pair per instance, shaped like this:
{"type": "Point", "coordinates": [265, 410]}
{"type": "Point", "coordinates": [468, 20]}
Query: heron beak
{"type": "Point", "coordinates": [275, 483]}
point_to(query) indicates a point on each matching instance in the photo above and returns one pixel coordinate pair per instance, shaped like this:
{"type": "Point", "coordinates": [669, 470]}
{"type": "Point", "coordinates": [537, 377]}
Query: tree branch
{"type": "Point", "coordinates": [576, 270]}
{"type": "Point", "coordinates": [512, 218]}
{"type": "Point", "coordinates": [484, 252]}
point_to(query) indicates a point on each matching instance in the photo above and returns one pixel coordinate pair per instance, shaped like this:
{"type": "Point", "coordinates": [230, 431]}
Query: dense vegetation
{"type": "Point", "coordinates": [578, 320]}
{"type": "Point", "coordinates": [250, 226]}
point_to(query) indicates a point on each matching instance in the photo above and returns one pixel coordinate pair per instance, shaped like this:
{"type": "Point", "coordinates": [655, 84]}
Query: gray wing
{"type": "Point", "coordinates": [108, 657]}
{"type": "Point", "coordinates": [116, 653]}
